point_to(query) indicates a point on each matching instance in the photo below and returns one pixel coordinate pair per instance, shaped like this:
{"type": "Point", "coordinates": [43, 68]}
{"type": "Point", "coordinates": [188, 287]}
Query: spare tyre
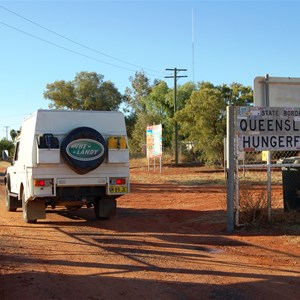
{"type": "Point", "coordinates": [84, 149]}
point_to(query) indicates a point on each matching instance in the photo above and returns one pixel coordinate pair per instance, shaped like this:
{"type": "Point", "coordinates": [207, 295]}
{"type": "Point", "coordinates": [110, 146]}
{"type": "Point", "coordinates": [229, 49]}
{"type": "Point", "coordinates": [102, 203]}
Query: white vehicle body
{"type": "Point", "coordinates": [69, 158]}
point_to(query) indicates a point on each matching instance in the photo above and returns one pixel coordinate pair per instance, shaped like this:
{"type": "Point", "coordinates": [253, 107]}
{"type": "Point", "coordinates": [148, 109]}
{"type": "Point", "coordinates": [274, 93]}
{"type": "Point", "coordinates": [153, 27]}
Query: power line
{"type": "Point", "coordinates": [77, 43]}
{"type": "Point", "coordinates": [64, 48]}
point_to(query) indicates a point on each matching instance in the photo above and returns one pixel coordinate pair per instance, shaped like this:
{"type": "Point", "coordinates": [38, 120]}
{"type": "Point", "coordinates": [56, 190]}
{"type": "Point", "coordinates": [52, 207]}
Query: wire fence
{"type": "Point", "coordinates": [262, 188]}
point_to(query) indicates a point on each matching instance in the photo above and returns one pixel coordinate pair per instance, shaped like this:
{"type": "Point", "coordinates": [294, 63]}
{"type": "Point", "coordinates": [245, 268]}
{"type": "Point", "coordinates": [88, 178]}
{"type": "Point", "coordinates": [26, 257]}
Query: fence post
{"type": "Point", "coordinates": [230, 168]}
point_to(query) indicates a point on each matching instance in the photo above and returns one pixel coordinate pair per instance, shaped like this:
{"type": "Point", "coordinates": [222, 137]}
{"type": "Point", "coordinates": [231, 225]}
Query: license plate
{"type": "Point", "coordinates": [117, 189]}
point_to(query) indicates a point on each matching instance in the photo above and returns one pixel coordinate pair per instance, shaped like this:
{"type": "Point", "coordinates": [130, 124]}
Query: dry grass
{"type": "Point", "coordinates": [177, 179]}
{"type": "Point", "coordinates": [180, 175]}
{"type": "Point", "coordinates": [253, 207]}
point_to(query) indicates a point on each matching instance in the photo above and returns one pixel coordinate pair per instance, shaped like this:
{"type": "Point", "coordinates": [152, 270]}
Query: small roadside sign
{"type": "Point", "coordinates": [154, 141]}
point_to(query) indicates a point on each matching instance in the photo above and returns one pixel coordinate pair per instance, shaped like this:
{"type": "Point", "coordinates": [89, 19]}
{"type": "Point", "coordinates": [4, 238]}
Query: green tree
{"type": "Point", "coordinates": [184, 92]}
{"type": "Point", "coordinates": [6, 145]}
{"type": "Point", "coordinates": [153, 103]}
{"type": "Point", "coordinates": [140, 87]}
{"type": "Point", "coordinates": [138, 134]}
{"type": "Point", "coordinates": [135, 95]}
{"type": "Point", "coordinates": [147, 105]}
{"type": "Point", "coordinates": [236, 94]}
{"type": "Point", "coordinates": [162, 111]}
{"type": "Point", "coordinates": [14, 133]}
{"type": "Point", "coordinates": [88, 91]}
{"type": "Point", "coordinates": [203, 119]}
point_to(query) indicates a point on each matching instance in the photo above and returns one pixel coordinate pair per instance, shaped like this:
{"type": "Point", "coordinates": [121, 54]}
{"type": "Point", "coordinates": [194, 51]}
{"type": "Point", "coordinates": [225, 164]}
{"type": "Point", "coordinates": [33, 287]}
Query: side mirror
{"type": "Point", "coordinates": [5, 155]}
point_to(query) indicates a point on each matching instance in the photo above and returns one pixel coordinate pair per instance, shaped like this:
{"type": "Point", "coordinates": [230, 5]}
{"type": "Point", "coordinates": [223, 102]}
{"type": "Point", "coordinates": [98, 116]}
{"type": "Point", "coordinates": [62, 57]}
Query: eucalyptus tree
{"type": "Point", "coordinates": [203, 119]}
{"type": "Point", "coordinates": [147, 104]}
{"type": "Point", "coordinates": [88, 91]}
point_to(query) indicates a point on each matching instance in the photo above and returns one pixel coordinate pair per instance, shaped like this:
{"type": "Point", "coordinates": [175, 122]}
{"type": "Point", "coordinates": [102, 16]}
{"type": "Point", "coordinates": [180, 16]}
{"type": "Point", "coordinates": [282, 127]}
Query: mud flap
{"type": "Point", "coordinates": [105, 208]}
{"type": "Point", "coordinates": [34, 210]}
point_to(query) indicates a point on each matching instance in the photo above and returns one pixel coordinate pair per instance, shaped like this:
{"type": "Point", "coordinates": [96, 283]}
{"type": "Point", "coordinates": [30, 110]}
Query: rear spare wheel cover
{"type": "Point", "coordinates": [84, 149]}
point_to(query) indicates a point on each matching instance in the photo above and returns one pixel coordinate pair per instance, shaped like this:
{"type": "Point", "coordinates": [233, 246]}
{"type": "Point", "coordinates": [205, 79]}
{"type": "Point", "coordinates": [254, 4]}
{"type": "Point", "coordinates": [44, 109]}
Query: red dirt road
{"type": "Point", "coordinates": [166, 242]}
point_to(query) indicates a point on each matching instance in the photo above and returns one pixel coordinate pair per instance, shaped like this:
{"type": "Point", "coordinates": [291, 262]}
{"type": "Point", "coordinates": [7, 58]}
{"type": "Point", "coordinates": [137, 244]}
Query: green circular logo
{"type": "Point", "coordinates": [85, 149]}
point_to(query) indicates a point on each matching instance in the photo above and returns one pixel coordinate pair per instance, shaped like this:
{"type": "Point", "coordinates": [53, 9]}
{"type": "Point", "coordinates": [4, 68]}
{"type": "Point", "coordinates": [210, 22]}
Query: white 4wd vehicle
{"type": "Point", "coordinates": [68, 158]}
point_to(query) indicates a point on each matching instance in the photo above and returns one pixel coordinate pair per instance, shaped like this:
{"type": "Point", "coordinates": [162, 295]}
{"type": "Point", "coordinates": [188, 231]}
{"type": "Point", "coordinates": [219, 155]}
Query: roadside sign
{"type": "Point", "coordinates": [267, 128]}
{"type": "Point", "coordinates": [154, 141]}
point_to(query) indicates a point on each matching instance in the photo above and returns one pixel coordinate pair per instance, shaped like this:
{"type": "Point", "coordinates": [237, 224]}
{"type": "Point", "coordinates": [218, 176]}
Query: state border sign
{"type": "Point", "coordinates": [267, 128]}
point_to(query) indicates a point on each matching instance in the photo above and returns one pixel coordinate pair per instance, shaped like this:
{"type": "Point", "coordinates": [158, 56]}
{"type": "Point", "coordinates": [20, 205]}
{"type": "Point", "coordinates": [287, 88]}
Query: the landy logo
{"type": "Point", "coordinates": [85, 149]}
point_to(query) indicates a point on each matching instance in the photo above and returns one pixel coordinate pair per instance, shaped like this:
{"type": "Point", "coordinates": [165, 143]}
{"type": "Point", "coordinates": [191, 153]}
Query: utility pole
{"type": "Point", "coordinates": [6, 130]}
{"type": "Point", "coordinates": [175, 76]}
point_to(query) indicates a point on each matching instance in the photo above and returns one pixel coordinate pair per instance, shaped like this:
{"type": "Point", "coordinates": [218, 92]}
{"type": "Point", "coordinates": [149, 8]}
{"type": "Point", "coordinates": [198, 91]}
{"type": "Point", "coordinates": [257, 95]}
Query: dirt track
{"type": "Point", "coordinates": [166, 242]}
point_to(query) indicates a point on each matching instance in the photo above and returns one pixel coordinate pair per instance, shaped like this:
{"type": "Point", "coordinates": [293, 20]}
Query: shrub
{"type": "Point", "coordinates": [253, 207]}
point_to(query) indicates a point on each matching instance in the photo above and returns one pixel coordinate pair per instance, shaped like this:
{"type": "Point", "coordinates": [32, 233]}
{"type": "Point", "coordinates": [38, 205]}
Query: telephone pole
{"type": "Point", "coordinates": [175, 76]}
{"type": "Point", "coordinates": [6, 130]}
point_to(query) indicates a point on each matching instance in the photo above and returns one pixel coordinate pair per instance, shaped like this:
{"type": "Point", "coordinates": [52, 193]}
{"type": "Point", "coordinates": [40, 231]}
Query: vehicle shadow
{"type": "Point", "coordinates": [145, 220]}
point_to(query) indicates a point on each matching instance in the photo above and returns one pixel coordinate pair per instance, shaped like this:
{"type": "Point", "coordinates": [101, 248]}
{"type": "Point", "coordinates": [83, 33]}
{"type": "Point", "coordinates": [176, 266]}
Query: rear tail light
{"type": "Point", "coordinates": [42, 182]}
{"type": "Point", "coordinates": [118, 181]}
{"type": "Point", "coordinates": [39, 182]}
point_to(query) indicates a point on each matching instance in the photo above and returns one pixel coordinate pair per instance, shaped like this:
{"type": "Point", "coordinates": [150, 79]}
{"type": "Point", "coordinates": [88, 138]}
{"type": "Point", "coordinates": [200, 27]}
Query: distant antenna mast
{"type": "Point", "coordinates": [6, 129]}
{"type": "Point", "coordinates": [193, 46]}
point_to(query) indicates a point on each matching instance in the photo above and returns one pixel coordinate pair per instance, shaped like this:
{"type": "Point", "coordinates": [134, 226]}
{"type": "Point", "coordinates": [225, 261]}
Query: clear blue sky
{"type": "Point", "coordinates": [234, 41]}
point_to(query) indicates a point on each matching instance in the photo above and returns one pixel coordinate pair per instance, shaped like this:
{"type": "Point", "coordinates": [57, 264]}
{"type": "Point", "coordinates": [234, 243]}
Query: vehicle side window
{"type": "Point", "coordinates": [48, 141]}
{"type": "Point", "coordinates": [17, 151]}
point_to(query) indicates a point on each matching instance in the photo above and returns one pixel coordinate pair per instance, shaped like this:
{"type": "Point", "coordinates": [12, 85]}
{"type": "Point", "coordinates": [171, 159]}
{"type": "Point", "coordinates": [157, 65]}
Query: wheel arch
{"type": "Point", "coordinates": [7, 180]}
